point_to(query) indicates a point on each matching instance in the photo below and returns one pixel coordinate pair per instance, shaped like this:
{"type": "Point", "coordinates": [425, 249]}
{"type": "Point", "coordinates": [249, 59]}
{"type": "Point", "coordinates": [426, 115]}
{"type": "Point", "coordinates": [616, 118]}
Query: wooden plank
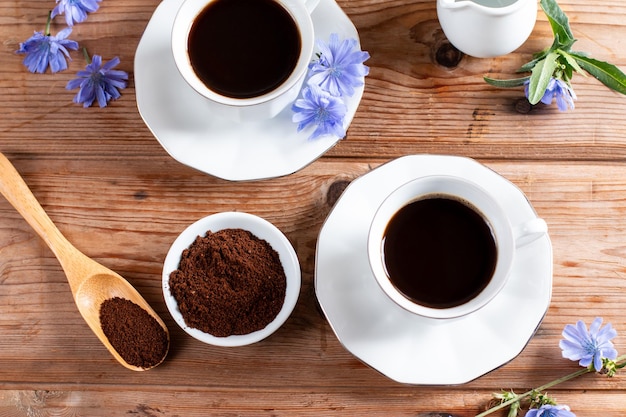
{"type": "Point", "coordinates": [403, 401]}
{"type": "Point", "coordinates": [412, 103]}
{"type": "Point", "coordinates": [582, 203]}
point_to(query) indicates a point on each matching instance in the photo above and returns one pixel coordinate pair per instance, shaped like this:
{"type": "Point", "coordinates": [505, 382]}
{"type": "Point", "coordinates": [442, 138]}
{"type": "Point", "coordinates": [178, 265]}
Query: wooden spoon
{"type": "Point", "coordinates": [90, 282]}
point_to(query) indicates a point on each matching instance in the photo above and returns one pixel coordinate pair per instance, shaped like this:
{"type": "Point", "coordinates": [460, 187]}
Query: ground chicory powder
{"type": "Point", "coordinates": [229, 282]}
{"type": "Point", "coordinates": [137, 336]}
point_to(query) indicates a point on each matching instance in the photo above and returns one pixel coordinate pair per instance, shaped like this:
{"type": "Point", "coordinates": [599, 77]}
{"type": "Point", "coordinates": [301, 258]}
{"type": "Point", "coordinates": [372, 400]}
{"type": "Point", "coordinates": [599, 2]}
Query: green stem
{"type": "Point", "coordinates": [544, 387]}
{"type": "Point", "coordinates": [86, 55]}
{"type": "Point", "coordinates": [47, 30]}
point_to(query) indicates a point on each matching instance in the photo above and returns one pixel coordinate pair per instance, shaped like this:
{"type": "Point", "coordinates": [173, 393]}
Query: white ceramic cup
{"type": "Point", "coordinates": [260, 107]}
{"type": "Point", "coordinates": [487, 28]}
{"type": "Point", "coordinates": [508, 238]}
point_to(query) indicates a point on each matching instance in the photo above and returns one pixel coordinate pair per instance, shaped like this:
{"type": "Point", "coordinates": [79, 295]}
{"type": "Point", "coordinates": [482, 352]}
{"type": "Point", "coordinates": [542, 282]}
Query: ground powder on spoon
{"type": "Point", "coordinates": [229, 282]}
{"type": "Point", "coordinates": [137, 336]}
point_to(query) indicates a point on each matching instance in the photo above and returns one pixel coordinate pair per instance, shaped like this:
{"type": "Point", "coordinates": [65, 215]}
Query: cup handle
{"type": "Point", "coordinates": [311, 5]}
{"type": "Point", "coordinates": [529, 231]}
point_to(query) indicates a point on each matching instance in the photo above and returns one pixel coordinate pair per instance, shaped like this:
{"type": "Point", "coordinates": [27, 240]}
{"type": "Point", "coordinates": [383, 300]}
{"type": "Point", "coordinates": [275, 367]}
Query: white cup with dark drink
{"type": "Point", "coordinates": [442, 247]}
{"type": "Point", "coordinates": [248, 58]}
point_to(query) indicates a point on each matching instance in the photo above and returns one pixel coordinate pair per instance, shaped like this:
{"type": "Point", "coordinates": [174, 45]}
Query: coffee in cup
{"type": "Point", "coordinates": [439, 251]}
{"type": "Point", "coordinates": [247, 57]}
{"type": "Point", "coordinates": [442, 247]}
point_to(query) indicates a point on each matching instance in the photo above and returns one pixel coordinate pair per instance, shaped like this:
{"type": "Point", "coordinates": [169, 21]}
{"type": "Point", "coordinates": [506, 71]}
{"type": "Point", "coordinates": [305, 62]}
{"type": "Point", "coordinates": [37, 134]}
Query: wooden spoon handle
{"type": "Point", "coordinates": [15, 190]}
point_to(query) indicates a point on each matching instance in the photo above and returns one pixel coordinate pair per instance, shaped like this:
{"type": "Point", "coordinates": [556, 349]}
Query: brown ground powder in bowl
{"type": "Point", "coordinates": [137, 336]}
{"type": "Point", "coordinates": [229, 282]}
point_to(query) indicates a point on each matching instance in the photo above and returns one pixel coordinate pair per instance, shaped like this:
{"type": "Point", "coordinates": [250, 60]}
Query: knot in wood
{"type": "Point", "coordinates": [447, 55]}
{"type": "Point", "coordinates": [335, 190]}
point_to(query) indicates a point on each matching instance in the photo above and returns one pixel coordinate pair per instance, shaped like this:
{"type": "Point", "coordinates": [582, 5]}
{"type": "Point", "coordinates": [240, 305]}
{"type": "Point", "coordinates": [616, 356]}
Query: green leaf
{"type": "Point", "coordinates": [527, 67]}
{"type": "Point", "coordinates": [571, 61]}
{"type": "Point", "coordinates": [540, 77]}
{"type": "Point", "coordinates": [514, 409]}
{"type": "Point", "coordinates": [538, 56]}
{"type": "Point", "coordinates": [607, 74]}
{"type": "Point", "coordinates": [560, 24]}
{"type": "Point", "coordinates": [515, 82]}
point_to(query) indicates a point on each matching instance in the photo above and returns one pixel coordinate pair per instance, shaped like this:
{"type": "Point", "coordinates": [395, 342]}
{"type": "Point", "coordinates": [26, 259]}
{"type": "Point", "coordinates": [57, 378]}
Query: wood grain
{"type": "Point", "coordinates": [119, 198]}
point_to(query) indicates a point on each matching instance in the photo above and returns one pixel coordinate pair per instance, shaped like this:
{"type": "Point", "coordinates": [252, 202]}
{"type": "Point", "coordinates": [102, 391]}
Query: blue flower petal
{"type": "Point", "coordinates": [98, 82]}
{"type": "Point", "coordinates": [340, 67]}
{"type": "Point", "coordinates": [43, 51]}
{"type": "Point", "coordinates": [550, 411]}
{"type": "Point", "coordinates": [333, 76]}
{"type": "Point", "coordinates": [320, 108]}
{"type": "Point", "coordinates": [588, 346]}
{"type": "Point", "coordinates": [75, 11]}
{"type": "Point", "coordinates": [557, 90]}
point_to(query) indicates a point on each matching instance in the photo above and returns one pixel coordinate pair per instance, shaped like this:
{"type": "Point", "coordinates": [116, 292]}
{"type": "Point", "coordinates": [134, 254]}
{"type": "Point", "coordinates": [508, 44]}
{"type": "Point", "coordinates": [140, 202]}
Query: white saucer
{"type": "Point", "coordinates": [179, 119]}
{"type": "Point", "coordinates": [409, 348]}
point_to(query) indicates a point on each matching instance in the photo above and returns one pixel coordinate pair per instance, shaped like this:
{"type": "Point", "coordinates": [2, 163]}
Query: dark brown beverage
{"type": "Point", "coordinates": [244, 48]}
{"type": "Point", "coordinates": [439, 252]}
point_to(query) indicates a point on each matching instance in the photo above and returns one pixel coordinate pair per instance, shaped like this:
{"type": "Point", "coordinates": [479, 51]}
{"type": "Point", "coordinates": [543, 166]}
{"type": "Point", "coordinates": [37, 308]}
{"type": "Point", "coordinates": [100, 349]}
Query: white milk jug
{"type": "Point", "coordinates": [487, 28]}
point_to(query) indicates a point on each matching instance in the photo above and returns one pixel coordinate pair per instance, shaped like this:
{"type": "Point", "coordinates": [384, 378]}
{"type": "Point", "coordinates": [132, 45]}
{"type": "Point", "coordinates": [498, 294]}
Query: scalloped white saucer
{"type": "Point", "coordinates": [405, 347]}
{"type": "Point", "coordinates": [179, 119]}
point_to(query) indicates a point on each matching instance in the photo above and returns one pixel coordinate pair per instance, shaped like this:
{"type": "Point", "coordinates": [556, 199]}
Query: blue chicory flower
{"type": "Point", "coordinates": [557, 90]}
{"type": "Point", "coordinates": [98, 82]}
{"type": "Point", "coordinates": [339, 68]}
{"type": "Point", "coordinates": [589, 346]}
{"type": "Point", "coordinates": [43, 50]}
{"type": "Point", "coordinates": [75, 11]}
{"type": "Point", "coordinates": [550, 411]}
{"type": "Point", "coordinates": [320, 108]}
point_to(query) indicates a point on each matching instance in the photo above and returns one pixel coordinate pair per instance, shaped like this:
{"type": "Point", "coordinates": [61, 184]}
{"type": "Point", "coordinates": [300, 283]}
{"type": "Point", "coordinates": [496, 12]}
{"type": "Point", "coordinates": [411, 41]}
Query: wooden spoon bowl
{"type": "Point", "coordinates": [90, 282]}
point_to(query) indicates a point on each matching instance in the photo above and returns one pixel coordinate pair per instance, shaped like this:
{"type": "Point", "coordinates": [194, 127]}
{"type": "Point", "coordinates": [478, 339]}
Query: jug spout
{"type": "Point", "coordinates": [489, 4]}
{"type": "Point", "coordinates": [451, 4]}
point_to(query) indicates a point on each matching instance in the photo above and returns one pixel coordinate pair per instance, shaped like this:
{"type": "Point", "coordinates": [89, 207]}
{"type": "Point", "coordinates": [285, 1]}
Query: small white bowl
{"type": "Point", "coordinates": [263, 230]}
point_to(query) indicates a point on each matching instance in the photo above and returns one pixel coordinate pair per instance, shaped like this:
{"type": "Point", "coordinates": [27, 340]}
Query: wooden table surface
{"type": "Point", "coordinates": [121, 199]}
